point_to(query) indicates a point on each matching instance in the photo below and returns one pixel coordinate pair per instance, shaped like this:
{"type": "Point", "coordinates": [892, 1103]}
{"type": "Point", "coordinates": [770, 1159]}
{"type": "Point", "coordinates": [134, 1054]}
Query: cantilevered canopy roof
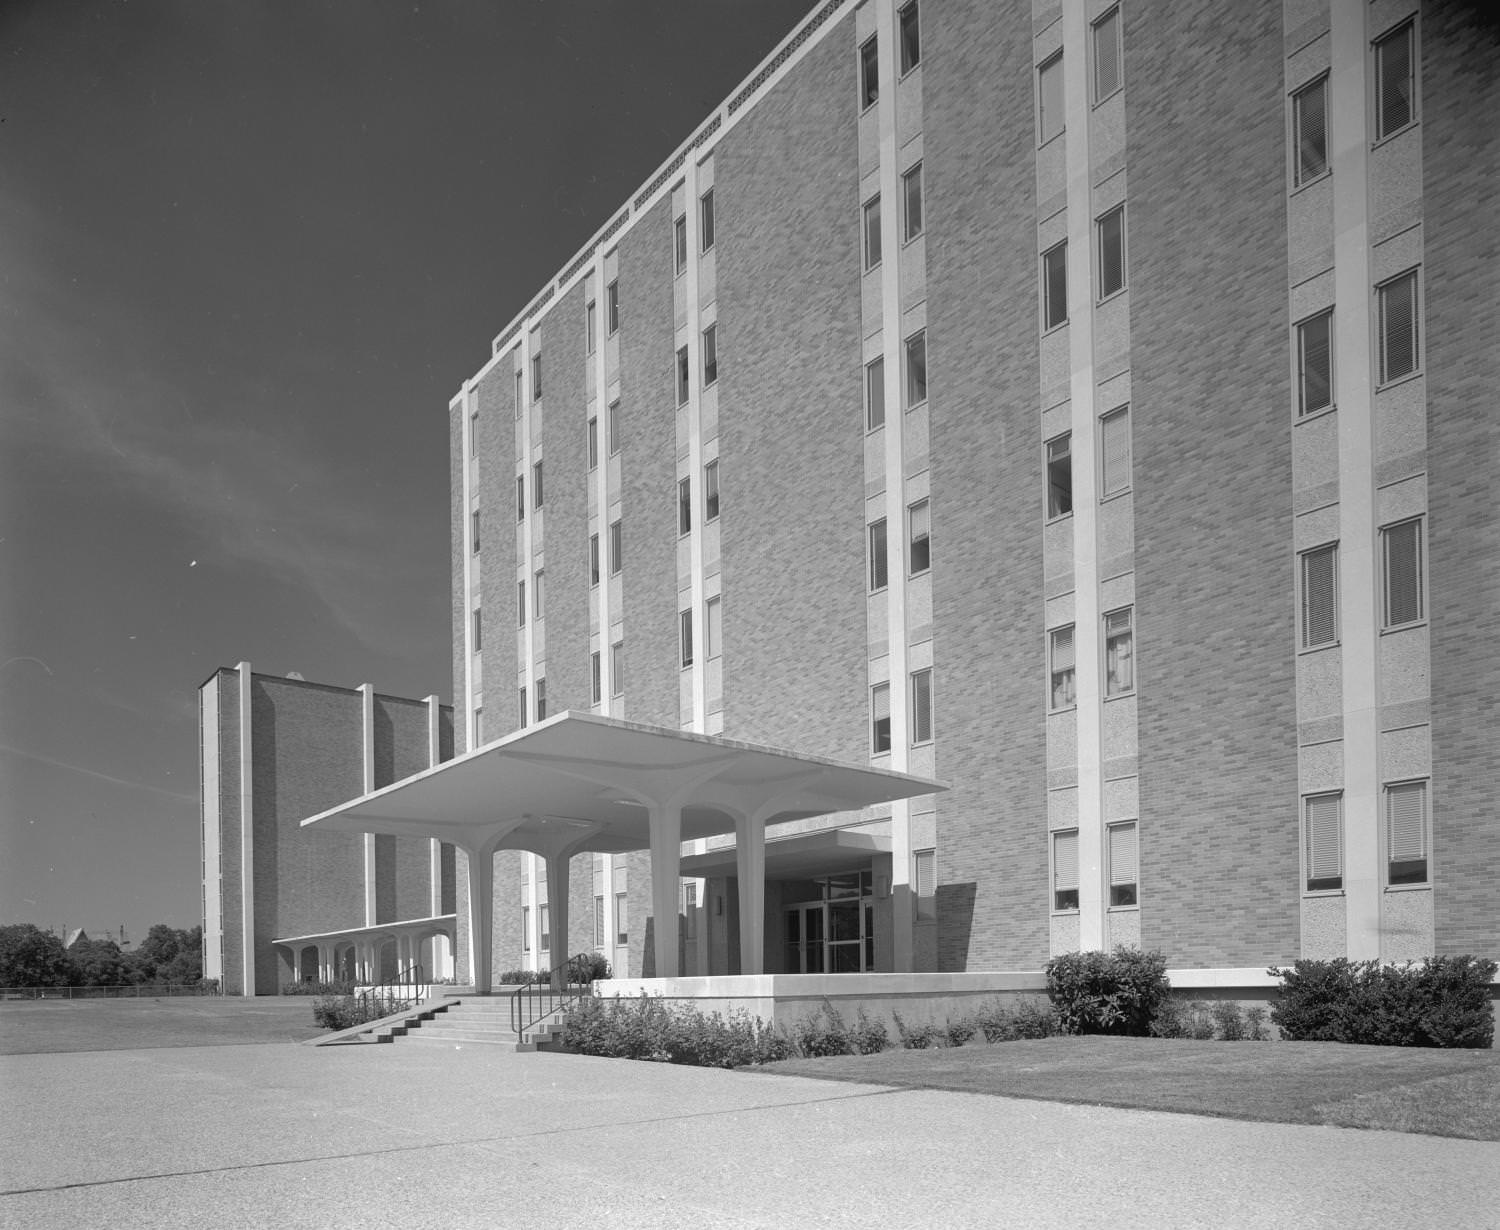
{"type": "Point", "coordinates": [584, 782]}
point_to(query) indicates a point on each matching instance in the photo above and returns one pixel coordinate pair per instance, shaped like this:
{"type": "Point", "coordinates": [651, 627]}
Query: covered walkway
{"type": "Point", "coordinates": [581, 783]}
{"type": "Point", "coordinates": [368, 955]}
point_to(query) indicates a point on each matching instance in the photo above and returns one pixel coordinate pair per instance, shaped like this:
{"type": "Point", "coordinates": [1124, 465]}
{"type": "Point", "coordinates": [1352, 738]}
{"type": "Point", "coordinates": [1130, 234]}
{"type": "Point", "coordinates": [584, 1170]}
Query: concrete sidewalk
{"type": "Point", "coordinates": [287, 1136]}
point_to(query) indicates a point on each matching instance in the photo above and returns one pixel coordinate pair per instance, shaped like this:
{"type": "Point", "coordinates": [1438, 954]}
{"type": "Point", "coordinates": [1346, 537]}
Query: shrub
{"type": "Point", "coordinates": [961, 1030]}
{"type": "Point", "coordinates": [916, 1037]}
{"type": "Point", "coordinates": [822, 1033]}
{"type": "Point", "coordinates": [1226, 1015]}
{"type": "Point", "coordinates": [345, 1011]}
{"type": "Point", "coordinates": [652, 1029]}
{"type": "Point", "coordinates": [1029, 1018]}
{"type": "Point", "coordinates": [588, 967]}
{"type": "Point", "coordinates": [1255, 1023]}
{"type": "Point", "coordinates": [868, 1037]}
{"type": "Point", "coordinates": [1107, 993]}
{"type": "Point", "coordinates": [1443, 1002]}
{"type": "Point", "coordinates": [318, 988]}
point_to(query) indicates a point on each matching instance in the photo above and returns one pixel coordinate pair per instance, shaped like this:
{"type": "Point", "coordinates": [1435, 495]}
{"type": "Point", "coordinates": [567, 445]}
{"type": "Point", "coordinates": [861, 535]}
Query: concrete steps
{"type": "Point", "coordinates": [479, 1021]}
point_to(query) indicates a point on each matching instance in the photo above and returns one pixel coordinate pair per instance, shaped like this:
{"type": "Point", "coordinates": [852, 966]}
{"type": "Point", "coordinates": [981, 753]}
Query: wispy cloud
{"type": "Point", "coordinates": [94, 773]}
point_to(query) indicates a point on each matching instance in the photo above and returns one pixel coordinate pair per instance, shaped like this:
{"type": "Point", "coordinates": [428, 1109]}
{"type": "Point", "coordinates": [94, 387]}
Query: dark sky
{"type": "Point", "coordinates": [248, 251]}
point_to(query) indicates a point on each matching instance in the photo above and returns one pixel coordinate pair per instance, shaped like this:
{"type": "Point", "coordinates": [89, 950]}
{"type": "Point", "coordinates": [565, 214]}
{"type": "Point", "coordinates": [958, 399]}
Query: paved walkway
{"type": "Point", "coordinates": [289, 1136]}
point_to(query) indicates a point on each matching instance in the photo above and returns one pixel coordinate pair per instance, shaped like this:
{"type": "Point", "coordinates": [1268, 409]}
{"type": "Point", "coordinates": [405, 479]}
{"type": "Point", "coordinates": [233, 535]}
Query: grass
{"type": "Point", "coordinates": [1400, 1089]}
{"type": "Point", "coordinates": [54, 1025]}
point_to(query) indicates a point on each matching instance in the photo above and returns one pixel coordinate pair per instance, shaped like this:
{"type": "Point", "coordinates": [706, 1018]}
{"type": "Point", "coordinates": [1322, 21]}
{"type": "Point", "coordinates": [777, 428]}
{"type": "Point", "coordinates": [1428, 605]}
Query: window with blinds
{"type": "Point", "coordinates": [879, 574]}
{"type": "Point", "coordinates": [684, 506]}
{"type": "Point", "coordinates": [1064, 693]}
{"type": "Point", "coordinates": [713, 628]}
{"type": "Point", "coordinates": [685, 636]}
{"type": "Point", "coordinates": [1401, 557]}
{"type": "Point", "coordinates": [1049, 99]}
{"type": "Point", "coordinates": [1119, 652]}
{"type": "Point", "coordinates": [1065, 870]}
{"type": "Point", "coordinates": [1395, 81]}
{"type": "Point", "coordinates": [880, 718]}
{"type": "Point", "coordinates": [1108, 61]}
{"type": "Point", "coordinates": [1114, 452]}
{"type": "Point", "coordinates": [919, 549]}
{"type": "Point", "coordinates": [1055, 286]}
{"type": "Point", "coordinates": [1111, 241]}
{"type": "Point", "coordinates": [622, 917]}
{"type": "Point", "coordinates": [1315, 363]}
{"type": "Point", "coordinates": [1406, 833]}
{"type": "Point", "coordinates": [1323, 847]}
{"type": "Point", "coordinates": [1060, 476]}
{"type": "Point", "coordinates": [911, 37]}
{"type": "Point", "coordinates": [525, 928]}
{"type": "Point", "coordinates": [598, 920]}
{"type": "Point", "coordinates": [689, 911]}
{"type": "Point", "coordinates": [1320, 597]}
{"type": "Point", "coordinates": [1124, 864]}
{"type": "Point", "coordinates": [924, 882]}
{"type": "Point", "coordinates": [916, 369]}
{"type": "Point", "coordinates": [1398, 327]}
{"type": "Point", "coordinates": [921, 706]}
{"type": "Point", "coordinates": [1310, 132]}
{"type": "Point", "coordinates": [874, 394]}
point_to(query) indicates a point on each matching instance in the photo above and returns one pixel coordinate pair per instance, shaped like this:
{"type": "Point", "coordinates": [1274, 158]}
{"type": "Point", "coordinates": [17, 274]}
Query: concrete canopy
{"type": "Point", "coordinates": [580, 782]}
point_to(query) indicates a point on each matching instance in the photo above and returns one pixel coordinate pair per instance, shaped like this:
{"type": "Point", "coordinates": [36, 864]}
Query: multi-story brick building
{"type": "Point", "coordinates": [1085, 408]}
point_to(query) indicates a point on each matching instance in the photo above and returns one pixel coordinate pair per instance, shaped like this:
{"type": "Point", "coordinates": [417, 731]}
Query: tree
{"type": "Point", "coordinates": [168, 955]}
{"type": "Point", "coordinates": [31, 957]}
{"type": "Point", "coordinates": [97, 963]}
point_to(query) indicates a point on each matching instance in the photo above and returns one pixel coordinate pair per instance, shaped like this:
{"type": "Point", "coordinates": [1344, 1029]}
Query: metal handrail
{"type": "Point", "coordinates": [536, 1001]}
{"type": "Point", "coordinates": [387, 996]}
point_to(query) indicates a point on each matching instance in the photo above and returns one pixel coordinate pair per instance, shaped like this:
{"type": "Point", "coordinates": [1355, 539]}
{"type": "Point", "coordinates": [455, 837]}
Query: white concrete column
{"type": "Point", "coordinates": [435, 846]}
{"type": "Point", "coordinates": [247, 833]}
{"type": "Point", "coordinates": [325, 963]}
{"type": "Point", "coordinates": [557, 908]}
{"type": "Point", "coordinates": [750, 865]}
{"type": "Point", "coordinates": [297, 963]}
{"type": "Point", "coordinates": [666, 870]}
{"type": "Point", "coordinates": [367, 708]}
{"type": "Point", "coordinates": [481, 916]}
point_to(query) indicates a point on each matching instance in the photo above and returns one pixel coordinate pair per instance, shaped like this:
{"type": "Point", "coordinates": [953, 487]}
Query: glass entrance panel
{"type": "Point", "coordinates": [844, 939]}
{"type": "Point", "coordinates": [812, 945]}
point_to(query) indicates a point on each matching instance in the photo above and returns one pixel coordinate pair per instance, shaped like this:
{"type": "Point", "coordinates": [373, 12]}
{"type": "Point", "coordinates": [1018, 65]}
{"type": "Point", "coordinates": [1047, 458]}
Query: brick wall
{"type": "Point", "coordinates": [496, 449]}
{"type": "Point", "coordinates": [1214, 608]}
{"type": "Point", "coordinates": [403, 864]}
{"type": "Point", "coordinates": [227, 684]}
{"type": "Point", "coordinates": [985, 444]}
{"type": "Point", "coordinates": [1462, 290]}
{"type": "Point", "coordinates": [786, 193]}
{"type": "Point", "coordinates": [456, 556]}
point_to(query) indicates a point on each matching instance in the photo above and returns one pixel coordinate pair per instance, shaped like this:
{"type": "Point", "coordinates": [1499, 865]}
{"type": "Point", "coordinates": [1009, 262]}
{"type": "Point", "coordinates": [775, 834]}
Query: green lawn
{"type": "Point", "coordinates": [52, 1025]}
{"type": "Point", "coordinates": [1444, 1093]}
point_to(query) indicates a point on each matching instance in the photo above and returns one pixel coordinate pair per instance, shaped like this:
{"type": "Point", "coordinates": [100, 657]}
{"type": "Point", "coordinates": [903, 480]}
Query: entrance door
{"type": "Point", "coordinates": [805, 934]}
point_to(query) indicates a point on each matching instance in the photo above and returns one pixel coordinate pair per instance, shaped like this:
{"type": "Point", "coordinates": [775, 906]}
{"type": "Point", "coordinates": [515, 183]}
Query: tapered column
{"type": "Point", "coordinates": [666, 851]}
{"type": "Point", "coordinates": [750, 862]}
{"type": "Point", "coordinates": [557, 907]}
{"type": "Point", "coordinates": [481, 916]}
{"type": "Point", "coordinates": [325, 963]}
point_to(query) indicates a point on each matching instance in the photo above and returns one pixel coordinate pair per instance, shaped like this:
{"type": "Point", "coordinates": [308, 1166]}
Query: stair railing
{"type": "Point", "coordinates": [395, 994]}
{"type": "Point", "coordinates": [565, 986]}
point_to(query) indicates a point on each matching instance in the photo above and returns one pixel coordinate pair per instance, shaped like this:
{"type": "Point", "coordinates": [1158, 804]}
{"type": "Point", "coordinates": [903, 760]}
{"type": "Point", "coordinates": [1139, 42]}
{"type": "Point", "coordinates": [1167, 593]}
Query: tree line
{"type": "Point", "coordinates": [31, 957]}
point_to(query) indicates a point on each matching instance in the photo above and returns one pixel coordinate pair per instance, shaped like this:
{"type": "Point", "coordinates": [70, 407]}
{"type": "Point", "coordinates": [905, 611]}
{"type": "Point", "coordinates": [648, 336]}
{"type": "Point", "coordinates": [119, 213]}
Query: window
{"type": "Point", "coordinates": [1049, 99]}
{"type": "Point", "coordinates": [713, 629]}
{"type": "Point", "coordinates": [874, 394]}
{"type": "Point", "coordinates": [1114, 452]}
{"type": "Point", "coordinates": [921, 706]}
{"type": "Point", "coordinates": [541, 700]}
{"type": "Point", "coordinates": [919, 530]}
{"type": "Point", "coordinates": [1323, 841]}
{"type": "Point", "coordinates": [911, 38]}
{"type": "Point", "coordinates": [880, 718]}
{"type": "Point", "coordinates": [525, 928]}
{"type": "Point", "coordinates": [1401, 556]}
{"type": "Point", "coordinates": [473, 433]}
{"type": "Point", "coordinates": [622, 934]}
{"type": "Point", "coordinates": [1310, 132]}
{"type": "Point", "coordinates": [689, 911]}
{"type": "Point", "coordinates": [685, 636]}
{"type": "Point", "coordinates": [684, 505]}
{"type": "Point", "coordinates": [616, 547]}
{"type": "Point", "coordinates": [710, 355]}
{"type": "Point", "coordinates": [711, 491]}
{"type": "Point", "coordinates": [1398, 327]}
{"type": "Point", "coordinates": [1315, 363]}
{"type": "Point", "coordinates": [613, 425]}
{"type": "Point", "coordinates": [1395, 82]}
{"type": "Point", "coordinates": [1319, 577]}
{"type": "Point", "coordinates": [521, 604]}
{"type": "Point", "coordinates": [1064, 695]}
{"type": "Point", "coordinates": [911, 195]}
{"type": "Point", "coordinates": [525, 712]}
{"type": "Point", "coordinates": [924, 882]}
{"type": "Point", "coordinates": [1119, 652]}
{"type": "Point", "coordinates": [872, 232]}
{"type": "Point", "coordinates": [1060, 476]}
{"type": "Point", "coordinates": [546, 927]}
{"type": "Point", "coordinates": [869, 73]}
{"type": "Point", "coordinates": [598, 920]}
{"type": "Point", "coordinates": [1111, 228]}
{"type": "Point", "coordinates": [1123, 863]}
{"type": "Point", "coordinates": [478, 628]}
{"type": "Point", "coordinates": [706, 219]}
{"type": "Point", "coordinates": [612, 307]}
{"type": "Point", "coordinates": [682, 376]}
{"type": "Point", "coordinates": [593, 559]}
{"type": "Point", "coordinates": [474, 531]}
{"type": "Point", "coordinates": [916, 369]}
{"type": "Point", "coordinates": [590, 315]}
{"type": "Point", "coordinates": [1055, 286]}
{"type": "Point", "coordinates": [536, 376]}
{"type": "Point", "coordinates": [538, 593]}
{"type": "Point", "coordinates": [520, 394]}
{"type": "Point", "coordinates": [1406, 833]}
{"type": "Point", "coordinates": [1107, 55]}
{"type": "Point", "coordinates": [520, 497]}
{"type": "Point", "coordinates": [878, 571]}
{"type": "Point", "coordinates": [1065, 870]}
{"type": "Point", "coordinates": [479, 724]}
{"type": "Point", "coordinates": [617, 669]}
{"type": "Point", "coordinates": [593, 441]}
{"type": "Point", "coordinates": [596, 676]}
{"type": "Point", "coordinates": [679, 244]}
{"type": "Point", "coordinates": [536, 485]}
